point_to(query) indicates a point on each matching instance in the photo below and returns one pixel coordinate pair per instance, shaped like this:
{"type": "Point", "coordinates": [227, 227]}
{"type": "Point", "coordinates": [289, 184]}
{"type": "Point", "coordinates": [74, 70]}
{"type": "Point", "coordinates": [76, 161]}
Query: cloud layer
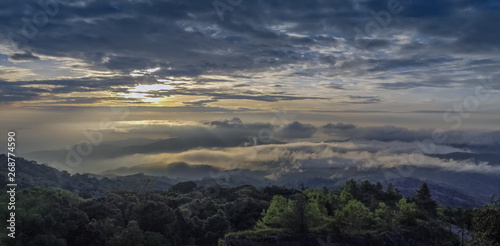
{"type": "Point", "coordinates": [233, 144]}
{"type": "Point", "coordinates": [266, 51]}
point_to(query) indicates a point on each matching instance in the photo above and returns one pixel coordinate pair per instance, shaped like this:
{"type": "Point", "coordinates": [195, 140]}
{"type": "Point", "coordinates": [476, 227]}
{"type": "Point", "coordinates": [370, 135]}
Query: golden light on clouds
{"type": "Point", "coordinates": [145, 93]}
{"type": "Point", "coordinates": [151, 88]}
{"type": "Point", "coordinates": [142, 72]}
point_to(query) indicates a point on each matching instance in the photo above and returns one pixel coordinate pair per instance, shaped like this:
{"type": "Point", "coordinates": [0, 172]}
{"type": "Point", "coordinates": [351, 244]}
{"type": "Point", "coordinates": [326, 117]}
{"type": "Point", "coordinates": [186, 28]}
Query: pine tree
{"type": "Point", "coordinates": [392, 195]}
{"type": "Point", "coordinates": [300, 214]}
{"type": "Point", "coordinates": [424, 201]}
{"type": "Point", "coordinates": [276, 216]}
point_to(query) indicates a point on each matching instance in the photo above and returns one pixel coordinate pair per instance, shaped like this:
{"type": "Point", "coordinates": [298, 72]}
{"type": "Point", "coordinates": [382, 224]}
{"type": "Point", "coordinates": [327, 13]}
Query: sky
{"type": "Point", "coordinates": [239, 73]}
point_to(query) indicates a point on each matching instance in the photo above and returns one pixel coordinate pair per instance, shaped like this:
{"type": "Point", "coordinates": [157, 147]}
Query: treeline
{"type": "Point", "coordinates": [187, 214]}
{"type": "Point", "coordinates": [32, 174]}
{"type": "Point", "coordinates": [367, 208]}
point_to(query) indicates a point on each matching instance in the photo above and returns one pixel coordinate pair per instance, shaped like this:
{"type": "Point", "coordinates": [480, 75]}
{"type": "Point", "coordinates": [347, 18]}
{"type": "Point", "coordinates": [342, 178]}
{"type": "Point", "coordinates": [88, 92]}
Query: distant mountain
{"type": "Point", "coordinates": [100, 151]}
{"type": "Point", "coordinates": [440, 193]}
{"type": "Point", "coordinates": [32, 174]}
{"type": "Point", "coordinates": [492, 159]}
{"type": "Point", "coordinates": [482, 149]}
{"type": "Point", "coordinates": [180, 170]}
{"type": "Point", "coordinates": [457, 189]}
{"type": "Point", "coordinates": [445, 193]}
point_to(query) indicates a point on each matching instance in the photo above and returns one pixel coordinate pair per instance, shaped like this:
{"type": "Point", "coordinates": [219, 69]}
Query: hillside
{"type": "Point", "coordinates": [56, 208]}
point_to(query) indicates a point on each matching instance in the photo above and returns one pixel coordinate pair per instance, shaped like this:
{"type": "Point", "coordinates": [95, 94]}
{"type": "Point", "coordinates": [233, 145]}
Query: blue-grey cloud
{"type": "Point", "coordinates": [27, 56]}
{"type": "Point", "coordinates": [189, 37]}
{"type": "Point", "coordinates": [297, 130]}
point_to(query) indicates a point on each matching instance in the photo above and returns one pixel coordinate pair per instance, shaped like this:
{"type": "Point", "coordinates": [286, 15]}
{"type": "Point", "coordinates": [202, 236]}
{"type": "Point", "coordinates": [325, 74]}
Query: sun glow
{"type": "Point", "coordinates": [148, 93]}
{"type": "Point", "coordinates": [151, 88]}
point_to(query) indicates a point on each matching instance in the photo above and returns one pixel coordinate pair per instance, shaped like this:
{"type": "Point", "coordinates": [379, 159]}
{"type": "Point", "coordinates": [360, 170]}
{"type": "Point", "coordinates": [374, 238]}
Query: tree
{"type": "Point", "coordinates": [486, 225]}
{"type": "Point", "coordinates": [370, 194]}
{"type": "Point", "coordinates": [317, 212]}
{"type": "Point", "coordinates": [424, 201]}
{"type": "Point", "coordinates": [152, 215]}
{"type": "Point", "coordinates": [182, 226]}
{"type": "Point", "coordinates": [183, 187]}
{"type": "Point", "coordinates": [132, 235]}
{"type": "Point", "coordinates": [243, 213]}
{"type": "Point", "coordinates": [407, 212]}
{"type": "Point", "coordinates": [385, 214]}
{"type": "Point", "coordinates": [155, 239]}
{"type": "Point", "coordinates": [47, 240]}
{"type": "Point", "coordinates": [299, 218]}
{"type": "Point", "coordinates": [216, 226]}
{"type": "Point", "coordinates": [392, 195]}
{"type": "Point", "coordinates": [278, 214]}
{"type": "Point", "coordinates": [353, 215]}
{"type": "Point", "coordinates": [349, 191]}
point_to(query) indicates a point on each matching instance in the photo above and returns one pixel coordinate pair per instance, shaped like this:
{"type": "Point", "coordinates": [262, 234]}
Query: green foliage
{"type": "Point", "coordinates": [186, 215]}
{"type": "Point", "coordinates": [354, 215]}
{"type": "Point", "coordinates": [348, 192]}
{"type": "Point", "coordinates": [385, 216]}
{"type": "Point", "coordinates": [278, 214]}
{"type": "Point", "coordinates": [132, 235]}
{"type": "Point", "coordinates": [256, 233]}
{"type": "Point", "coordinates": [46, 240]}
{"type": "Point", "coordinates": [244, 212]}
{"type": "Point", "coordinates": [298, 219]}
{"type": "Point", "coordinates": [407, 212]}
{"type": "Point", "coordinates": [216, 226]}
{"type": "Point", "coordinates": [316, 210]}
{"type": "Point", "coordinates": [486, 225]}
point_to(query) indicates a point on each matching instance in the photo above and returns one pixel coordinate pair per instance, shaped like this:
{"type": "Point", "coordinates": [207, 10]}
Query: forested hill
{"type": "Point", "coordinates": [32, 174]}
{"type": "Point", "coordinates": [84, 210]}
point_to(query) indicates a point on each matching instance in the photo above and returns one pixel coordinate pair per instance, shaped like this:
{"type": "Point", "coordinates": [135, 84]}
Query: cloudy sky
{"type": "Point", "coordinates": [238, 73]}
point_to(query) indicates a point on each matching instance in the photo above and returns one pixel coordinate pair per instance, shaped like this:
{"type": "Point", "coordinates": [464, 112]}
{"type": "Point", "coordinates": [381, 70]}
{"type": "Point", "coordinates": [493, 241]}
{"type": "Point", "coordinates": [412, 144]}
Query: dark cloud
{"type": "Point", "coordinates": [372, 44]}
{"type": "Point", "coordinates": [364, 99]}
{"type": "Point", "coordinates": [297, 130]}
{"type": "Point", "coordinates": [328, 59]}
{"type": "Point", "coordinates": [422, 46]}
{"type": "Point", "coordinates": [332, 127]}
{"type": "Point", "coordinates": [27, 56]}
{"type": "Point", "coordinates": [13, 92]}
{"type": "Point", "coordinates": [265, 98]}
{"type": "Point", "coordinates": [199, 102]}
{"type": "Point", "coordinates": [393, 133]}
{"type": "Point", "coordinates": [241, 85]}
{"type": "Point", "coordinates": [32, 90]}
{"type": "Point", "coordinates": [189, 37]}
{"type": "Point", "coordinates": [233, 123]}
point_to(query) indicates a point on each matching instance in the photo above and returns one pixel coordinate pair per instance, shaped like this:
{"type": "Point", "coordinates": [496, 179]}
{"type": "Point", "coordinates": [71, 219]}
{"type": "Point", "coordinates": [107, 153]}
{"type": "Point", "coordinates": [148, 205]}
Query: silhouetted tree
{"type": "Point", "coordinates": [424, 201]}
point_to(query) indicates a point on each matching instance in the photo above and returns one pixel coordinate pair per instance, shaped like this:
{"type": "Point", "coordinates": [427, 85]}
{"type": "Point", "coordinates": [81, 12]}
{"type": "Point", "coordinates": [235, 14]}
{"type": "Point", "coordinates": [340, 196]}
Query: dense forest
{"type": "Point", "coordinates": [190, 215]}
{"type": "Point", "coordinates": [359, 213]}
